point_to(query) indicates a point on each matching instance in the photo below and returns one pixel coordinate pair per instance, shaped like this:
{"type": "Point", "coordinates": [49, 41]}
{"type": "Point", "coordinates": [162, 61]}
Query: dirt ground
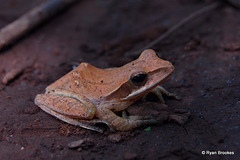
{"type": "Point", "coordinates": [205, 54]}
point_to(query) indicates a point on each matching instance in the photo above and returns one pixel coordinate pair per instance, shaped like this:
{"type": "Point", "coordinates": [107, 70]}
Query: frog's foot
{"type": "Point", "coordinates": [125, 122]}
{"type": "Point", "coordinates": [179, 115]}
{"type": "Point", "coordinates": [159, 90]}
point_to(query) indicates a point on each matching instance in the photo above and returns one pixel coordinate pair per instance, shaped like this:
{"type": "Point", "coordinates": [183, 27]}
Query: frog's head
{"type": "Point", "coordinates": [142, 75]}
{"type": "Point", "coordinates": [150, 71]}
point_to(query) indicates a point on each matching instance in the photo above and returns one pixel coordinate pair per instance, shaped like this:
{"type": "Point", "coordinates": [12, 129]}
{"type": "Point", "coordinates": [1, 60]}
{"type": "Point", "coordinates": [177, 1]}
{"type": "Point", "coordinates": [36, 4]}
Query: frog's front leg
{"type": "Point", "coordinates": [159, 90]}
{"type": "Point", "coordinates": [69, 108]}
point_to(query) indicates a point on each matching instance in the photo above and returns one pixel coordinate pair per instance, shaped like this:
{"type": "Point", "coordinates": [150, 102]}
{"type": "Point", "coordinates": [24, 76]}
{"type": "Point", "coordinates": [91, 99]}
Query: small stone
{"type": "Point", "coordinates": [82, 144]}
{"type": "Point", "coordinates": [60, 147]}
{"type": "Point", "coordinates": [76, 144]}
{"type": "Point", "coordinates": [31, 110]}
{"type": "Point", "coordinates": [79, 149]}
{"type": "Point", "coordinates": [130, 156]}
{"type": "Point", "coordinates": [115, 138]}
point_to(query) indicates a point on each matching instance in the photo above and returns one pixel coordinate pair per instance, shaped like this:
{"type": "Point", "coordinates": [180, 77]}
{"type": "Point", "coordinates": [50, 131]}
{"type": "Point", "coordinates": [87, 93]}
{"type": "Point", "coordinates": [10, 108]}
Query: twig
{"type": "Point", "coordinates": [17, 70]}
{"type": "Point", "coordinates": [31, 19]}
{"type": "Point", "coordinates": [180, 24]}
{"type": "Point", "coordinates": [12, 74]}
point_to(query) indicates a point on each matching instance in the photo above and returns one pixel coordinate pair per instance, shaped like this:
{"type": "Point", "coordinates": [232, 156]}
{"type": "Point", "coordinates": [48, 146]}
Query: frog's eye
{"type": "Point", "coordinates": [139, 78]}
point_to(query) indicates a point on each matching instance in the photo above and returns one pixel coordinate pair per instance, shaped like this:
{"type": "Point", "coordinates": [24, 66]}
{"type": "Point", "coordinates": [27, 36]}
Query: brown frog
{"type": "Point", "coordinates": [88, 95]}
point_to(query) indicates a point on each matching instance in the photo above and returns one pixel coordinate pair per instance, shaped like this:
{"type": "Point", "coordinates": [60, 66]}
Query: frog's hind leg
{"type": "Point", "coordinates": [73, 109]}
{"type": "Point", "coordinates": [180, 116]}
{"type": "Point", "coordinates": [127, 122]}
{"type": "Point", "coordinates": [87, 124]}
{"type": "Point", "coordinates": [159, 90]}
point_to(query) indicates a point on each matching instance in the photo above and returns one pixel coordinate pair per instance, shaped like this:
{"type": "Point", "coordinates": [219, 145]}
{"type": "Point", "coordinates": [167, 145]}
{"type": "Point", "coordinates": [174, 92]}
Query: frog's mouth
{"type": "Point", "coordinates": [151, 83]}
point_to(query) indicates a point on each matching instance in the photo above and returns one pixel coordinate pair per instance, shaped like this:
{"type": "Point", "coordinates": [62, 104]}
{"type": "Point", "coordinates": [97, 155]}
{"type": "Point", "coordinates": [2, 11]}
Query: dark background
{"type": "Point", "coordinates": [205, 53]}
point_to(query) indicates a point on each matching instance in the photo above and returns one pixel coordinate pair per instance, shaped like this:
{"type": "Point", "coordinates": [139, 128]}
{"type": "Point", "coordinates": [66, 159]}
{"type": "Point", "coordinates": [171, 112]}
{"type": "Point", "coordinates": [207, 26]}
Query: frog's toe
{"type": "Point", "coordinates": [159, 90]}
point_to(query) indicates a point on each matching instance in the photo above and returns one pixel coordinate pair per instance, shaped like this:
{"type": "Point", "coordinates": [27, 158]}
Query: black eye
{"type": "Point", "coordinates": [139, 78]}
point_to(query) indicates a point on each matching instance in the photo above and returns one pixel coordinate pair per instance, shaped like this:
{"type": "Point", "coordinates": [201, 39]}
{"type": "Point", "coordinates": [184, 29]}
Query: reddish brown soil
{"type": "Point", "coordinates": [205, 54]}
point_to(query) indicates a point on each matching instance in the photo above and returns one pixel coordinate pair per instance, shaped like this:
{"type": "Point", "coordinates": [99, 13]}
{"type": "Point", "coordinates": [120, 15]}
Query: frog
{"type": "Point", "coordinates": [89, 95]}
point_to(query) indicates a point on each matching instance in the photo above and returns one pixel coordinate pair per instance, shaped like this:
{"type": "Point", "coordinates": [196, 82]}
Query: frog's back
{"type": "Point", "coordinates": [89, 81]}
